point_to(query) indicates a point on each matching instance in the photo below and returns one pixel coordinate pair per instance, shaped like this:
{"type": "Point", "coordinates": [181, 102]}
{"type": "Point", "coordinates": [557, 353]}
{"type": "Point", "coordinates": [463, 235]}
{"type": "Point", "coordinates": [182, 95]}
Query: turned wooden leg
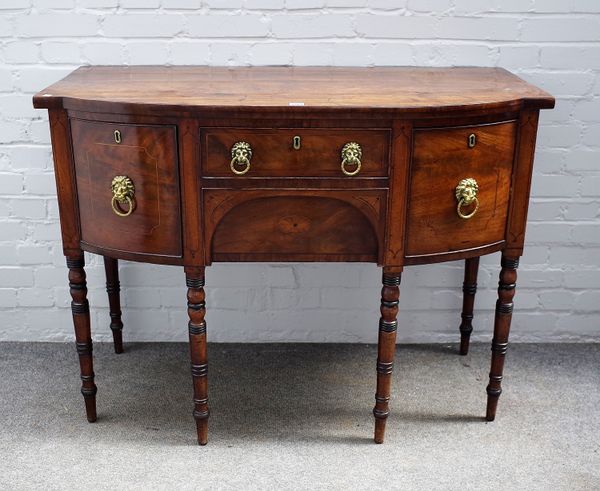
{"type": "Point", "coordinates": [469, 290]}
{"type": "Point", "coordinates": [390, 293]}
{"type": "Point", "coordinates": [113, 288]}
{"type": "Point", "coordinates": [197, 329]}
{"type": "Point", "coordinates": [504, 308]}
{"type": "Point", "coordinates": [83, 337]}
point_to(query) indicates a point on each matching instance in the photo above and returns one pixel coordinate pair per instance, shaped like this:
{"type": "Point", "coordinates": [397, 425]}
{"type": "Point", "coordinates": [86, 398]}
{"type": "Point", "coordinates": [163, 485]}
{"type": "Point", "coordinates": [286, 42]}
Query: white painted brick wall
{"type": "Point", "coordinates": [555, 44]}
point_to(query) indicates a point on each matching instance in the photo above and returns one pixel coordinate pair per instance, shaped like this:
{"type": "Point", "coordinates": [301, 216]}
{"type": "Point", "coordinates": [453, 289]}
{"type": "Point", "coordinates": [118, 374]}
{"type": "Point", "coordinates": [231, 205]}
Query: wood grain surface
{"type": "Point", "coordinates": [291, 88]}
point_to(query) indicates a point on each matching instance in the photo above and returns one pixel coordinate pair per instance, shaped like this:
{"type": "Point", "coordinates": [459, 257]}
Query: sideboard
{"type": "Point", "coordinates": [193, 165]}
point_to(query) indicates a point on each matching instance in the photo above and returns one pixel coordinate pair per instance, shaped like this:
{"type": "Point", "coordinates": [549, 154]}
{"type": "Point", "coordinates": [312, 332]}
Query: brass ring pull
{"type": "Point", "coordinates": [117, 207]}
{"type": "Point", "coordinates": [241, 153]}
{"type": "Point", "coordinates": [466, 194]}
{"type": "Point", "coordinates": [123, 192]}
{"type": "Point", "coordinates": [462, 203]}
{"type": "Point", "coordinates": [351, 155]}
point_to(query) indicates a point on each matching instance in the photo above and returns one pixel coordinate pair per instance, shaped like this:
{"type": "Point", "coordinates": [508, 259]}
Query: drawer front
{"type": "Point", "coordinates": [148, 192]}
{"type": "Point", "coordinates": [294, 225]}
{"type": "Point", "coordinates": [294, 152]}
{"type": "Point", "coordinates": [442, 158]}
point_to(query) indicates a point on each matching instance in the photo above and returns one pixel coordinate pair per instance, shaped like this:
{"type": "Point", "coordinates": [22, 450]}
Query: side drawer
{"type": "Point", "coordinates": [442, 158]}
{"type": "Point", "coordinates": [145, 156]}
{"type": "Point", "coordinates": [294, 152]}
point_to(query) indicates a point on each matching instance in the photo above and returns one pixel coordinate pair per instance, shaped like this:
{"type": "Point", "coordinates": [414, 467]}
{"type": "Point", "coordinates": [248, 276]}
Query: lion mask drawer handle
{"type": "Point", "coordinates": [241, 153]}
{"type": "Point", "coordinates": [466, 194]}
{"type": "Point", "coordinates": [351, 155]}
{"type": "Point", "coordinates": [123, 191]}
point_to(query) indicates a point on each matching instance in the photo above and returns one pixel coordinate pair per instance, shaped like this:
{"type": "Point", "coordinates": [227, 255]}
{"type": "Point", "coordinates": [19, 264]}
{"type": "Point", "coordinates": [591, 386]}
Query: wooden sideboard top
{"type": "Point", "coordinates": [287, 89]}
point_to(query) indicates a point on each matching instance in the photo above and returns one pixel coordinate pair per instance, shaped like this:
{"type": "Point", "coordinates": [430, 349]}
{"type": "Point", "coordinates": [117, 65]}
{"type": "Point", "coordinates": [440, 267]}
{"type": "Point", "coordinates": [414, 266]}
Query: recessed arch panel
{"type": "Point", "coordinates": [273, 226]}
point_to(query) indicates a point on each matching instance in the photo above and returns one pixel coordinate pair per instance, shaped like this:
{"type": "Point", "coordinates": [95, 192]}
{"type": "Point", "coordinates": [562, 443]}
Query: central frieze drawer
{"type": "Point", "coordinates": [294, 152]}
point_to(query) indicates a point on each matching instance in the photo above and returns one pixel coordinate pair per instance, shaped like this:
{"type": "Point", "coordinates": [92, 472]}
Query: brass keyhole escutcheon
{"type": "Point", "coordinates": [472, 140]}
{"type": "Point", "coordinates": [296, 142]}
{"type": "Point", "coordinates": [466, 195]}
{"type": "Point", "coordinates": [117, 136]}
{"type": "Point", "coordinates": [123, 191]}
{"type": "Point", "coordinates": [351, 155]}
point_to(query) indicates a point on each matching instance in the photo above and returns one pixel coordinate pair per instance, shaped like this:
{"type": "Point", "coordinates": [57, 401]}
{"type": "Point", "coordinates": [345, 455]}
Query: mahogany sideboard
{"type": "Point", "coordinates": [191, 165]}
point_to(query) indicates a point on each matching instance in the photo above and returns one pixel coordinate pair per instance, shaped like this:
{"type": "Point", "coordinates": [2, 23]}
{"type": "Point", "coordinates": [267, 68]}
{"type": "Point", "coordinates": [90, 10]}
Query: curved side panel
{"type": "Point", "coordinates": [131, 256]}
{"type": "Point", "coordinates": [247, 226]}
{"type": "Point", "coordinates": [455, 255]}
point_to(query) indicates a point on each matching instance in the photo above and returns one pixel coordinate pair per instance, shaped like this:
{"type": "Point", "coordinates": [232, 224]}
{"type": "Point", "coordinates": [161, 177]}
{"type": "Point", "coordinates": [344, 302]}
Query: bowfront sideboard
{"type": "Point", "coordinates": [193, 165]}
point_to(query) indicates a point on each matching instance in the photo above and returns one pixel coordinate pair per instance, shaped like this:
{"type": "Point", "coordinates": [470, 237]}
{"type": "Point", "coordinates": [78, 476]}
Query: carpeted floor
{"type": "Point", "coordinates": [298, 416]}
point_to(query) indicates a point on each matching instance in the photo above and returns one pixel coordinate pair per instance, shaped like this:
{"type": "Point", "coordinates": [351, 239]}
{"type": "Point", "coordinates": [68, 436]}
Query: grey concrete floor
{"type": "Point", "coordinates": [298, 416]}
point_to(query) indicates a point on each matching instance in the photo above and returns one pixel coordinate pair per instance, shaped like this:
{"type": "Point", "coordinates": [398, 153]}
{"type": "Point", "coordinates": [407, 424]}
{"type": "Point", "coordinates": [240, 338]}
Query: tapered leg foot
{"type": "Point", "coordinates": [390, 294]}
{"type": "Point", "coordinates": [113, 288]}
{"type": "Point", "coordinates": [202, 430]}
{"type": "Point", "coordinates": [198, 352]}
{"type": "Point", "coordinates": [469, 290]}
{"type": "Point", "coordinates": [379, 430]}
{"type": "Point", "coordinates": [83, 337]}
{"type": "Point", "coordinates": [503, 316]}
